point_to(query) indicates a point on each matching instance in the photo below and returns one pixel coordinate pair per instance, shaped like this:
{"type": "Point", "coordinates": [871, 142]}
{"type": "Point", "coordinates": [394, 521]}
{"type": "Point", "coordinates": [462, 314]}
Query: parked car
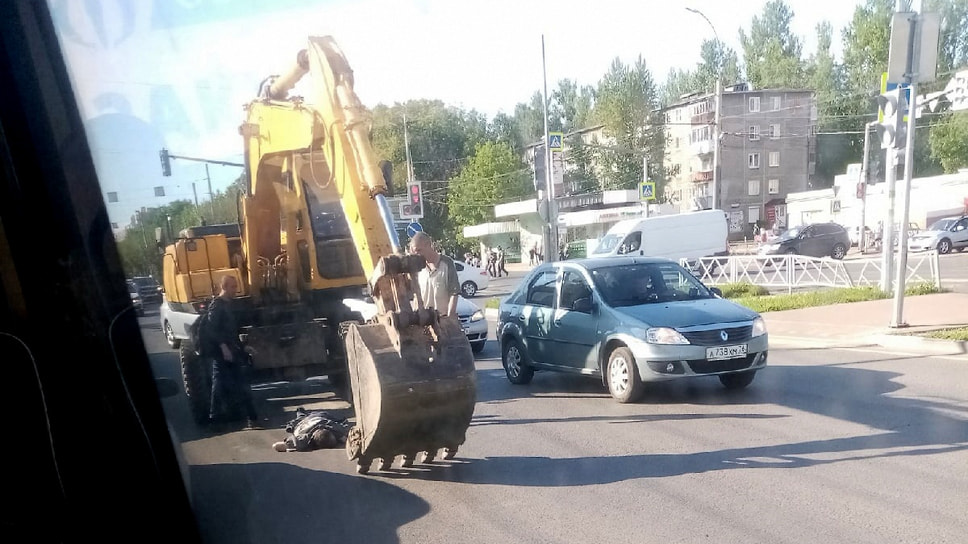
{"type": "Point", "coordinates": [626, 321]}
{"type": "Point", "coordinates": [472, 279]}
{"type": "Point", "coordinates": [136, 300]}
{"type": "Point", "coordinates": [148, 288]}
{"type": "Point", "coordinates": [471, 319]}
{"type": "Point", "coordinates": [950, 233]}
{"type": "Point", "coordinates": [815, 240]}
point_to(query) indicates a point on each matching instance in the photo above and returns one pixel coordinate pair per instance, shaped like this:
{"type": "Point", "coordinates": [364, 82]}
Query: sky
{"type": "Point", "coordinates": [176, 73]}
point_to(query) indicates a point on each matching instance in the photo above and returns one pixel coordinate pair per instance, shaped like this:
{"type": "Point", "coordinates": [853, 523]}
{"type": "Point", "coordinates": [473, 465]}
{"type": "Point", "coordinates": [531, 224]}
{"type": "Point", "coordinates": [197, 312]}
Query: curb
{"type": "Point", "coordinates": [919, 344]}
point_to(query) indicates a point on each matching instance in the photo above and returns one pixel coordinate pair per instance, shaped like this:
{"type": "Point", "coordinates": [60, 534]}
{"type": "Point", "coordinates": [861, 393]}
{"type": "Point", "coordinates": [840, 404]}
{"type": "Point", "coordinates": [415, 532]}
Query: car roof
{"type": "Point", "coordinates": [593, 263]}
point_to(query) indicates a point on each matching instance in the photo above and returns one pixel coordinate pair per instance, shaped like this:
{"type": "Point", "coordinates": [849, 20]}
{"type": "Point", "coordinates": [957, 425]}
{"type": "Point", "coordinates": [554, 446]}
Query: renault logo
{"type": "Point", "coordinates": [724, 335]}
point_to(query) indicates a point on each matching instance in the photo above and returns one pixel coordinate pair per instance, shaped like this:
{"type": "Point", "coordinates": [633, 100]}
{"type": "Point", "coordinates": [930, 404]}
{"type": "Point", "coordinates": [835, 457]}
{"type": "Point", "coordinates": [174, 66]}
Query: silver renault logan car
{"type": "Point", "coordinates": [627, 320]}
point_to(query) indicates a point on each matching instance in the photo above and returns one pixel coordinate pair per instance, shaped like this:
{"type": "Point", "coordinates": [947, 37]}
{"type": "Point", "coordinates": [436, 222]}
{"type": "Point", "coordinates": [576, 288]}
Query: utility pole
{"type": "Point", "coordinates": [211, 196]}
{"type": "Point", "coordinates": [551, 245]}
{"type": "Point", "coordinates": [645, 177]}
{"type": "Point", "coordinates": [890, 178]}
{"type": "Point", "coordinates": [717, 115]}
{"type": "Point", "coordinates": [862, 186]}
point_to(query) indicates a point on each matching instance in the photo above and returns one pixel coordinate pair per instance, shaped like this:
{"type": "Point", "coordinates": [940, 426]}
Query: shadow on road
{"type": "Point", "coordinates": [306, 506]}
{"type": "Point", "coordinates": [908, 426]}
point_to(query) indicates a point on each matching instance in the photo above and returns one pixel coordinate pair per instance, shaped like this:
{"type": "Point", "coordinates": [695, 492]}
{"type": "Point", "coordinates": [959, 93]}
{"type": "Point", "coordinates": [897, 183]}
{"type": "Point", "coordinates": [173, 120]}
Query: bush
{"type": "Point", "coordinates": [743, 289]}
{"type": "Point", "coordinates": [921, 289]}
{"type": "Point", "coordinates": [796, 301]}
{"type": "Point", "coordinates": [950, 334]}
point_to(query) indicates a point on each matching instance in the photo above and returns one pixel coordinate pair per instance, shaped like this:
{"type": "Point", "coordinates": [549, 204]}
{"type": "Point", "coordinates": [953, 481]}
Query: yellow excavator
{"type": "Point", "coordinates": [314, 230]}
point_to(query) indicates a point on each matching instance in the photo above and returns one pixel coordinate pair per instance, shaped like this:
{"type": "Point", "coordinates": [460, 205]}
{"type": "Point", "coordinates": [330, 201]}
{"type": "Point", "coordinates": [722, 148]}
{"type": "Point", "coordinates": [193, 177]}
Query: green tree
{"type": "Point", "coordinates": [866, 44]}
{"type": "Point", "coordinates": [627, 99]}
{"type": "Point", "coordinates": [530, 119]}
{"type": "Point", "coordinates": [570, 107]}
{"type": "Point", "coordinates": [771, 51]}
{"type": "Point", "coordinates": [495, 174]}
{"type": "Point", "coordinates": [442, 138]}
{"type": "Point", "coordinates": [678, 83]}
{"type": "Point", "coordinates": [716, 57]}
{"type": "Point", "coordinates": [949, 141]}
{"type": "Point", "coordinates": [953, 47]}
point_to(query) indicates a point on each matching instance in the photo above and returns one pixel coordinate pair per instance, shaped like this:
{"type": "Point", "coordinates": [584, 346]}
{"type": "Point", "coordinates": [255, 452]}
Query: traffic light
{"type": "Point", "coordinates": [165, 162]}
{"type": "Point", "coordinates": [891, 127]}
{"type": "Point", "coordinates": [414, 205]}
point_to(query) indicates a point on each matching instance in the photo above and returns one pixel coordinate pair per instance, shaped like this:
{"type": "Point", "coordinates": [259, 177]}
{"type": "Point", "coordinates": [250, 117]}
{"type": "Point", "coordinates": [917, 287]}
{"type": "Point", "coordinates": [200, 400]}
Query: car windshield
{"type": "Point", "coordinates": [647, 283]}
{"type": "Point", "coordinates": [942, 224]}
{"type": "Point", "coordinates": [145, 282]}
{"type": "Point", "coordinates": [608, 243]}
{"type": "Point", "coordinates": [132, 287]}
{"type": "Point", "coordinates": [791, 234]}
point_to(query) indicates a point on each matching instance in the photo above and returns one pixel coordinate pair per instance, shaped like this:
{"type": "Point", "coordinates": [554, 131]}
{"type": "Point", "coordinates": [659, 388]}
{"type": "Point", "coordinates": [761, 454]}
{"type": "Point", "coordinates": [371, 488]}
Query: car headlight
{"type": "Point", "coordinates": [759, 327]}
{"type": "Point", "coordinates": [477, 316]}
{"type": "Point", "coordinates": [664, 335]}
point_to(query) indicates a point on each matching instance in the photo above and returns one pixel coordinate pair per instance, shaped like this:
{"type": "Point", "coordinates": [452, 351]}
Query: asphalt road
{"type": "Point", "coordinates": [825, 446]}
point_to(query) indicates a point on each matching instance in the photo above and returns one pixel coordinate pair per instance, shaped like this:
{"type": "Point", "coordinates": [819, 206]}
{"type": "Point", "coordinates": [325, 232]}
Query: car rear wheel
{"type": "Point", "coordinates": [839, 252]}
{"type": "Point", "coordinates": [623, 376]}
{"type": "Point", "coordinates": [469, 288]}
{"type": "Point", "coordinates": [173, 342]}
{"type": "Point", "coordinates": [944, 246]}
{"type": "Point", "coordinates": [738, 380]}
{"type": "Point", "coordinates": [516, 363]}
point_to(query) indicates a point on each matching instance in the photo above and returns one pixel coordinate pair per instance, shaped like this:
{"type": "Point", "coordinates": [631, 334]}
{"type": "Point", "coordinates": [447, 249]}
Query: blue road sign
{"type": "Point", "coordinates": [555, 141]}
{"type": "Point", "coordinates": [413, 228]}
{"type": "Point", "coordinates": [647, 190]}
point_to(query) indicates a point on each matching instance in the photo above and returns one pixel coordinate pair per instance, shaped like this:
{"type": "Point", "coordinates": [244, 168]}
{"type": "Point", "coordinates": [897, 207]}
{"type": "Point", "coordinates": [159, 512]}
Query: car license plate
{"type": "Point", "coordinates": [725, 352]}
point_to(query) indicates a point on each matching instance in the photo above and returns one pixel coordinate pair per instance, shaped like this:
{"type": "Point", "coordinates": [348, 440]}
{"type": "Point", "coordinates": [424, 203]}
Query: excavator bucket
{"type": "Point", "coordinates": [413, 394]}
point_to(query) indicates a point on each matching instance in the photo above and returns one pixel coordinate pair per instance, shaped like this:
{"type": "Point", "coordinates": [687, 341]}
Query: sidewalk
{"type": "Point", "coordinates": [868, 323]}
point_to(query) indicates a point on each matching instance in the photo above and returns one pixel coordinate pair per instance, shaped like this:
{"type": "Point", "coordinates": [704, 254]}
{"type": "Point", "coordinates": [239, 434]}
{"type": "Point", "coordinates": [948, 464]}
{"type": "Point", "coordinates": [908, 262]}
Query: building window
{"type": "Point", "coordinates": [774, 187]}
{"type": "Point", "coordinates": [777, 103]}
{"type": "Point", "coordinates": [774, 158]}
{"type": "Point", "coordinates": [754, 187]}
{"type": "Point", "coordinates": [774, 131]}
{"type": "Point", "coordinates": [753, 214]}
{"type": "Point", "coordinates": [754, 160]}
{"type": "Point", "coordinates": [754, 133]}
{"type": "Point", "coordinates": [754, 104]}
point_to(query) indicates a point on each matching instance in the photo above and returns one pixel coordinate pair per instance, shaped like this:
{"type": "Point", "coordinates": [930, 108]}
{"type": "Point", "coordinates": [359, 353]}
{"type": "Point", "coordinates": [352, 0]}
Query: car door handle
{"type": "Point", "coordinates": [520, 317]}
{"type": "Point", "coordinates": [556, 322]}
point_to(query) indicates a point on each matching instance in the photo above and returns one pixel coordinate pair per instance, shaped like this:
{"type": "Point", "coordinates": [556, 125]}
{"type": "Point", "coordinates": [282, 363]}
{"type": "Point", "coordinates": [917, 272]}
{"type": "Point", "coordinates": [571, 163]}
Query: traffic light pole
{"type": "Point", "coordinates": [862, 186]}
{"type": "Point", "coordinates": [551, 240]}
{"type": "Point", "coordinates": [898, 318]}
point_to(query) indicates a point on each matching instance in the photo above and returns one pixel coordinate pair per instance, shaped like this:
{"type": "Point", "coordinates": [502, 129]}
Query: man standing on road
{"type": "Point", "coordinates": [231, 390]}
{"type": "Point", "coordinates": [439, 286]}
{"type": "Point", "coordinates": [501, 261]}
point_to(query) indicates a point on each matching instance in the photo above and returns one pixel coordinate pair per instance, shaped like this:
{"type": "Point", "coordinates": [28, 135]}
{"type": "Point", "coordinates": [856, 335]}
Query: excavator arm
{"type": "Point", "coordinates": [411, 370]}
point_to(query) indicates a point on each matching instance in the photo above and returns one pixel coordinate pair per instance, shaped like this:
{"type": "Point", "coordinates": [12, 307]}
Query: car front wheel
{"type": "Point", "coordinates": [839, 252]}
{"type": "Point", "coordinates": [469, 288]}
{"type": "Point", "coordinates": [516, 363]}
{"type": "Point", "coordinates": [944, 246]}
{"type": "Point", "coordinates": [623, 376]}
{"type": "Point", "coordinates": [173, 342]}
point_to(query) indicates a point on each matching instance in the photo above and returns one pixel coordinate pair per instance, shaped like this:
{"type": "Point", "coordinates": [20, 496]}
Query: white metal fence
{"type": "Point", "coordinates": [796, 271]}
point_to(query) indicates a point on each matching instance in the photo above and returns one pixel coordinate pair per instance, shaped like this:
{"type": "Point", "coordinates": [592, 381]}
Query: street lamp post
{"type": "Point", "coordinates": [717, 119]}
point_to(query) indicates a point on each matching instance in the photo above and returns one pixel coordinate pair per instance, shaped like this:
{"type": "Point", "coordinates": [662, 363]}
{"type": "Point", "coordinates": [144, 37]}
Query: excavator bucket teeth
{"type": "Point", "coordinates": [418, 399]}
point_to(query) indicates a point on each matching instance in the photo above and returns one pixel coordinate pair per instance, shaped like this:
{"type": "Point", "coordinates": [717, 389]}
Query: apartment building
{"type": "Point", "coordinates": [767, 150]}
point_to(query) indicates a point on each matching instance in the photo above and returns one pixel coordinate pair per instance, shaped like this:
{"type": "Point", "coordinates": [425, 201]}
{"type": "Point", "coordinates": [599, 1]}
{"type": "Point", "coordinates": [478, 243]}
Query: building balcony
{"type": "Point", "coordinates": [703, 147]}
{"type": "Point", "coordinates": [705, 118]}
{"type": "Point", "coordinates": [706, 175]}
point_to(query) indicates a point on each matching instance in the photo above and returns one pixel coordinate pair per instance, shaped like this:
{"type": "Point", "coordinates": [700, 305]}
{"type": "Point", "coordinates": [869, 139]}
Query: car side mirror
{"type": "Point", "coordinates": [716, 291]}
{"type": "Point", "coordinates": [584, 305]}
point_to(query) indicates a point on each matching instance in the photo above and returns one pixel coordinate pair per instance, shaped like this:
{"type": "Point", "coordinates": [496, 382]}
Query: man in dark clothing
{"type": "Point", "coordinates": [231, 390]}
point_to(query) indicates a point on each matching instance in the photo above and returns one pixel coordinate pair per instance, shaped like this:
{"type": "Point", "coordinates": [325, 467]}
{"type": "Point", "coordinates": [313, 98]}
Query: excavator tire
{"type": "Point", "coordinates": [197, 377]}
{"type": "Point", "coordinates": [418, 398]}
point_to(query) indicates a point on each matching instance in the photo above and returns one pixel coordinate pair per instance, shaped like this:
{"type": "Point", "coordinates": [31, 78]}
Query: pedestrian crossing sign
{"type": "Point", "coordinates": [647, 190]}
{"type": "Point", "coordinates": [555, 141]}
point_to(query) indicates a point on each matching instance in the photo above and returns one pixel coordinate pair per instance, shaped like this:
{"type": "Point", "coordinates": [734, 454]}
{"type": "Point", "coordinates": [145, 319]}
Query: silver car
{"type": "Point", "coordinates": [950, 233]}
{"type": "Point", "coordinates": [471, 318]}
{"type": "Point", "coordinates": [627, 320]}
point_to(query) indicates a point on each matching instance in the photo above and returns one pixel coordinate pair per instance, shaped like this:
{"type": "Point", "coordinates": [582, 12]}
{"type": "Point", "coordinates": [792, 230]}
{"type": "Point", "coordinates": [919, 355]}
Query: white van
{"type": "Point", "coordinates": [691, 235]}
